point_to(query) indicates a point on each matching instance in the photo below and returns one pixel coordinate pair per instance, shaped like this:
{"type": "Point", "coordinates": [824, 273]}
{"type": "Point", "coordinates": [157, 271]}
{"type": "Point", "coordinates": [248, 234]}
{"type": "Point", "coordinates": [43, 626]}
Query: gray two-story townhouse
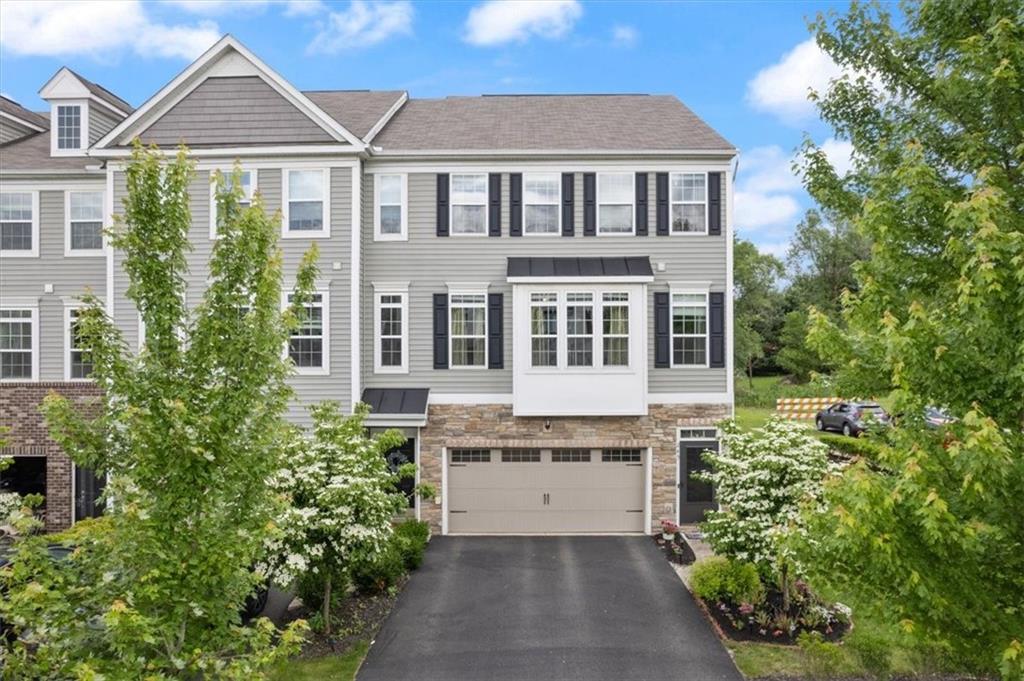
{"type": "Point", "coordinates": [535, 289]}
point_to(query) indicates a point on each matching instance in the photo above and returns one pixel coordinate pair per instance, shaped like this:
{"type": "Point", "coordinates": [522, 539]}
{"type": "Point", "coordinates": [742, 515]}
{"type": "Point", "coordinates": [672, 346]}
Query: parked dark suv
{"type": "Point", "coordinates": [852, 418]}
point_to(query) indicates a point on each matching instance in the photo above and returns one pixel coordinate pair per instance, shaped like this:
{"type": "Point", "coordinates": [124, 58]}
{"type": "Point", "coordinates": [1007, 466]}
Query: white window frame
{"type": "Point", "coordinates": [34, 251]}
{"type": "Point", "coordinates": [34, 322]}
{"type": "Point", "coordinates": [83, 119]}
{"type": "Point", "coordinates": [486, 204]}
{"type": "Point", "coordinates": [558, 304]}
{"type": "Point", "coordinates": [253, 188]}
{"type": "Point", "coordinates": [69, 251]}
{"type": "Point", "coordinates": [325, 303]}
{"type": "Point", "coordinates": [601, 305]}
{"type": "Point", "coordinates": [705, 203]}
{"type": "Point", "coordinates": [557, 204]}
{"type": "Point", "coordinates": [403, 235]}
{"type": "Point", "coordinates": [632, 204]}
{"type": "Point", "coordinates": [287, 233]}
{"type": "Point", "coordinates": [468, 291]}
{"type": "Point", "coordinates": [596, 339]}
{"type": "Point", "coordinates": [379, 291]}
{"type": "Point", "coordinates": [69, 312]}
{"type": "Point", "coordinates": [702, 289]}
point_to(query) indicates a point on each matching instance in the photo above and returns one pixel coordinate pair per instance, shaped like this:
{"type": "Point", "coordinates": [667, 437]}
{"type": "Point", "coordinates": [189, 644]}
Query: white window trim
{"type": "Point", "coordinates": [468, 290]}
{"type": "Point", "coordinates": [83, 139]}
{"type": "Point", "coordinates": [34, 320]}
{"type": "Point", "coordinates": [601, 304]}
{"type": "Point", "coordinates": [560, 338]}
{"type": "Point", "coordinates": [68, 310]}
{"type": "Point", "coordinates": [558, 206]}
{"type": "Point", "coordinates": [395, 289]}
{"type": "Point", "coordinates": [404, 234]}
{"type": "Point", "coordinates": [254, 182]}
{"type": "Point", "coordinates": [486, 204]}
{"type": "Point", "coordinates": [632, 204]}
{"type": "Point", "coordinates": [305, 234]}
{"type": "Point", "coordinates": [705, 203]}
{"type": "Point", "coordinates": [691, 288]}
{"type": "Point", "coordinates": [325, 368]}
{"type": "Point", "coordinates": [34, 251]}
{"type": "Point", "coordinates": [82, 252]}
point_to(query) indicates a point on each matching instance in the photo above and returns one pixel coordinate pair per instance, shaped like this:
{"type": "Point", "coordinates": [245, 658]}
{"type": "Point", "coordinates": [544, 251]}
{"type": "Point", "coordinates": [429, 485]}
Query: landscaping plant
{"type": "Point", "coordinates": [933, 104]}
{"type": "Point", "coordinates": [190, 432]}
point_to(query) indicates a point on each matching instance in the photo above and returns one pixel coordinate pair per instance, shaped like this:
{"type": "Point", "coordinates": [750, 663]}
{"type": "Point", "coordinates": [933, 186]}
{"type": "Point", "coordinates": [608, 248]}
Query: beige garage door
{"type": "Point", "coordinates": [523, 491]}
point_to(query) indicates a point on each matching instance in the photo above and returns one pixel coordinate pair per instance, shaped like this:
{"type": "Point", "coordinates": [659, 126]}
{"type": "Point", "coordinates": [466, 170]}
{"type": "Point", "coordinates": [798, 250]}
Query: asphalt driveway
{"type": "Point", "coordinates": [533, 608]}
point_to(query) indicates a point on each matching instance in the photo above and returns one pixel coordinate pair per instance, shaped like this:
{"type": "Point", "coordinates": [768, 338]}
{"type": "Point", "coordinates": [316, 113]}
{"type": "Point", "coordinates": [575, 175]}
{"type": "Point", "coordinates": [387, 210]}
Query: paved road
{"type": "Point", "coordinates": [535, 608]}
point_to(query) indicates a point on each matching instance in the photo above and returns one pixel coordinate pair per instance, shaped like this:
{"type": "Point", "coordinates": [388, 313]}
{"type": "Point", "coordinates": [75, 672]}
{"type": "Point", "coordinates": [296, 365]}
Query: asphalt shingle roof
{"type": "Point", "coordinates": [33, 153]}
{"type": "Point", "coordinates": [105, 94]}
{"type": "Point", "coordinates": [17, 110]}
{"type": "Point", "coordinates": [357, 110]}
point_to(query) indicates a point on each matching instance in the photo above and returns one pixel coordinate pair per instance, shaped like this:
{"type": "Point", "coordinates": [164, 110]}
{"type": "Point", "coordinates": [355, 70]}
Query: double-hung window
{"type": "Point", "coordinates": [390, 220]}
{"type": "Point", "coordinates": [19, 224]}
{"type": "Point", "coordinates": [308, 344]}
{"type": "Point", "coordinates": [247, 182]}
{"type": "Point", "coordinates": [615, 328]}
{"type": "Point", "coordinates": [469, 203]}
{"type": "Point", "coordinates": [541, 199]}
{"type": "Point", "coordinates": [18, 341]}
{"type": "Point", "coordinates": [468, 314]}
{"type": "Point", "coordinates": [544, 329]}
{"type": "Point", "coordinates": [615, 195]}
{"type": "Point", "coordinates": [579, 329]}
{"type": "Point", "coordinates": [688, 196]}
{"type": "Point", "coordinates": [85, 222]}
{"type": "Point", "coordinates": [305, 202]}
{"type": "Point", "coordinates": [689, 329]}
{"type": "Point", "coordinates": [77, 367]}
{"type": "Point", "coordinates": [391, 351]}
{"type": "Point", "coordinates": [69, 127]}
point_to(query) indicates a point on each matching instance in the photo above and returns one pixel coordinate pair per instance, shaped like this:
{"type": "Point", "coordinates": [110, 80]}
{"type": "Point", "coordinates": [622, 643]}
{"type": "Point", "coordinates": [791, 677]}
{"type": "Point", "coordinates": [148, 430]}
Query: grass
{"type": "Point", "coordinates": [332, 667]}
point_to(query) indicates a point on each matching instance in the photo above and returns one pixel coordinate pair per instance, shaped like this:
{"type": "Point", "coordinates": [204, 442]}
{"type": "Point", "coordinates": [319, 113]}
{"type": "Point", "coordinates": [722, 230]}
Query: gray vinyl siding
{"type": "Point", "coordinates": [25, 278]}
{"type": "Point", "coordinates": [308, 389]}
{"type": "Point", "coordinates": [12, 130]}
{"type": "Point", "coordinates": [234, 111]}
{"type": "Point", "coordinates": [101, 122]}
{"type": "Point", "coordinates": [429, 262]}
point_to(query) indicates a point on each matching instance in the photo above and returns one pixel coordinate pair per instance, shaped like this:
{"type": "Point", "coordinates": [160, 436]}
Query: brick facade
{"type": "Point", "coordinates": [27, 435]}
{"type": "Point", "coordinates": [493, 425]}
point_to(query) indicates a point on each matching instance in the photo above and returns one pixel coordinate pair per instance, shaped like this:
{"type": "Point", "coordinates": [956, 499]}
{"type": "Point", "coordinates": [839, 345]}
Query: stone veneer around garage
{"type": "Point", "coordinates": [27, 435]}
{"type": "Point", "coordinates": [493, 425]}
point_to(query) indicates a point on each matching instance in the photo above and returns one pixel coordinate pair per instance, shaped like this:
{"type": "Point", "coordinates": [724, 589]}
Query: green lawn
{"type": "Point", "coordinates": [330, 668]}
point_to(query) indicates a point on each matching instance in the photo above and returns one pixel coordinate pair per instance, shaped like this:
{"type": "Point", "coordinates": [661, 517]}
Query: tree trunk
{"type": "Point", "coordinates": [327, 606]}
{"type": "Point", "coordinates": [750, 372]}
{"type": "Point", "coordinates": [784, 587]}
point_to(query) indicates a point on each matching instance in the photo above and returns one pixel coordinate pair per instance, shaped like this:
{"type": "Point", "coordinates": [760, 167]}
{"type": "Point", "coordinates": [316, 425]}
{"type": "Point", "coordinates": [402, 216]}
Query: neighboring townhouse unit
{"type": "Point", "coordinates": [535, 289]}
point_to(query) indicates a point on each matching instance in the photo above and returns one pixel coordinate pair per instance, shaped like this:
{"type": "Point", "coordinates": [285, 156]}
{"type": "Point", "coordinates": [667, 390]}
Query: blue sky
{"type": "Point", "coordinates": [743, 66]}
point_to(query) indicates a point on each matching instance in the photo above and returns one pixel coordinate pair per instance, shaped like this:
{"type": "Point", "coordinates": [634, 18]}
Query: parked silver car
{"type": "Point", "coordinates": [851, 418]}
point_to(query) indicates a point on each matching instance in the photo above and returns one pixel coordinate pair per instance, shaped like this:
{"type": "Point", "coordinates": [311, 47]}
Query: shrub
{"type": "Point", "coordinates": [720, 579]}
{"type": "Point", "coordinates": [379, 571]}
{"type": "Point", "coordinates": [410, 539]}
{"type": "Point", "coordinates": [873, 653]}
{"type": "Point", "coordinates": [853, 446]}
{"type": "Point", "coordinates": [824, 659]}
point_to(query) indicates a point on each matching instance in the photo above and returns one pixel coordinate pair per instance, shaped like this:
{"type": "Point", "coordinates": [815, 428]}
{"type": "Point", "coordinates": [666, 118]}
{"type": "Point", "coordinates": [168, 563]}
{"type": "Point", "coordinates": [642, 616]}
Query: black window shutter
{"type": "Point", "coordinates": [494, 199]}
{"type": "Point", "coordinates": [662, 331]}
{"type": "Point", "coordinates": [641, 204]}
{"type": "Point", "coordinates": [716, 328]}
{"type": "Point", "coordinates": [568, 204]}
{"type": "Point", "coordinates": [589, 204]}
{"type": "Point", "coordinates": [495, 327]}
{"type": "Point", "coordinates": [440, 330]}
{"type": "Point", "coordinates": [715, 204]}
{"type": "Point", "coordinates": [661, 202]}
{"type": "Point", "coordinates": [515, 204]}
{"type": "Point", "coordinates": [442, 204]}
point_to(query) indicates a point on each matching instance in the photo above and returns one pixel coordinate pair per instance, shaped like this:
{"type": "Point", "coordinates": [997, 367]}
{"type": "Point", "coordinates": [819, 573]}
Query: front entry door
{"type": "Point", "coordinates": [695, 496]}
{"type": "Point", "coordinates": [402, 454]}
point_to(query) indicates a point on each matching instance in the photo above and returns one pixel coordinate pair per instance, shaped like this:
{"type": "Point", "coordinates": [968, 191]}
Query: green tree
{"type": "Point", "coordinates": [756, 302]}
{"type": "Point", "coordinates": [937, 533]}
{"type": "Point", "coordinates": [190, 432]}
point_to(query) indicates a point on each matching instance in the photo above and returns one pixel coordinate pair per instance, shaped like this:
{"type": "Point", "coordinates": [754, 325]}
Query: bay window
{"type": "Point", "coordinates": [615, 196]}
{"type": "Point", "coordinates": [615, 328]}
{"type": "Point", "coordinates": [544, 329]}
{"type": "Point", "coordinates": [688, 196]}
{"type": "Point", "coordinates": [579, 329]}
{"type": "Point", "coordinates": [541, 199]}
{"type": "Point", "coordinates": [469, 203]}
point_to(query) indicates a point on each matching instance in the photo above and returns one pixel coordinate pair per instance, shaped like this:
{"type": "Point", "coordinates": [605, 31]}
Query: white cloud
{"type": "Point", "coordinates": [755, 210]}
{"type": "Point", "coordinates": [839, 153]}
{"type": "Point", "coordinates": [99, 28]}
{"type": "Point", "coordinates": [624, 36]}
{"type": "Point", "coordinates": [765, 189]}
{"type": "Point", "coordinates": [361, 25]}
{"type": "Point", "coordinates": [212, 7]}
{"type": "Point", "coordinates": [501, 21]}
{"type": "Point", "coordinates": [782, 88]}
{"type": "Point", "coordinates": [778, 248]}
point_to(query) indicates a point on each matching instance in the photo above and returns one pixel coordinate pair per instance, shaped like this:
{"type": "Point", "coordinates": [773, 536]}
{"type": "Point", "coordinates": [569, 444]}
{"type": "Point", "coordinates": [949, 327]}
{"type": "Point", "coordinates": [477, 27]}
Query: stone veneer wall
{"type": "Point", "coordinates": [27, 435]}
{"type": "Point", "coordinates": [493, 425]}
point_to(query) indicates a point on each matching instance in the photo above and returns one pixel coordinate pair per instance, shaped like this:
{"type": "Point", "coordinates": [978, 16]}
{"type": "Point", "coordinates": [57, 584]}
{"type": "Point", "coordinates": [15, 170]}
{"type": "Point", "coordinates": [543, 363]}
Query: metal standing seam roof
{"type": "Point", "coordinates": [634, 266]}
{"type": "Point", "coordinates": [396, 401]}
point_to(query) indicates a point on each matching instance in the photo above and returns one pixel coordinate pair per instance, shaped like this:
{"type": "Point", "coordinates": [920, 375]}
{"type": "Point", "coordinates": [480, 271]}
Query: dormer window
{"type": "Point", "coordinates": [69, 126]}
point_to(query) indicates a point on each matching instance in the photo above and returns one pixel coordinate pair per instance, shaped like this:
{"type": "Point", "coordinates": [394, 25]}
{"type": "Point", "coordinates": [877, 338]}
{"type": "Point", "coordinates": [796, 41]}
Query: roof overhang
{"type": "Point", "coordinates": [530, 153]}
{"type": "Point", "coordinates": [31, 125]}
{"type": "Point", "coordinates": [396, 407]}
{"type": "Point", "coordinates": [621, 270]}
{"type": "Point", "coordinates": [65, 84]}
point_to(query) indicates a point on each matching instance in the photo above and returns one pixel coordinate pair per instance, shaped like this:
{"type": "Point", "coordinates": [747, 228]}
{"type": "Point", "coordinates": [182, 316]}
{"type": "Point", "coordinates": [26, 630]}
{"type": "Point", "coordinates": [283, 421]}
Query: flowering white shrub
{"type": "Point", "coordinates": [761, 478]}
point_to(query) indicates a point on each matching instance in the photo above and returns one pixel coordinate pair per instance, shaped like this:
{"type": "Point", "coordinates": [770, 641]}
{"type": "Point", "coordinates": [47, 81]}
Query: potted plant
{"type": "Point", "coordinates": [668, 529]}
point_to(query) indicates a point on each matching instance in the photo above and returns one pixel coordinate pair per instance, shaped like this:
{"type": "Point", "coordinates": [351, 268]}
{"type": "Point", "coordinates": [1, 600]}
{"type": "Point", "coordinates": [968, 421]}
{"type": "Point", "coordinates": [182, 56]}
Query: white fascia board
{"type": "Point", "coordinates": [412, 153]}
{"type": "Point", "coordinates": [21, 121]}
{"type": "Point", "coordinates": [66, 85]}
{"type": "Point", "coordinates": [397, 420]}
{"type": "Point", "coordinates": [388, 115]}
{"type": "Point", "coordinates": [569, 164]}
{"type": "Point", "coordinates": [581, 280]}
{"type": "Point", "coordinates": [304, 151]}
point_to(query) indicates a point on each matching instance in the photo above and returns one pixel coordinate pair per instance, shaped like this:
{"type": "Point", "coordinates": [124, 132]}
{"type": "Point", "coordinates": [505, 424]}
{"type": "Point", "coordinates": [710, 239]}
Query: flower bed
{"type": "Point", "coordinates": [767, 622]}
{"type": "Point", "coordinates": [676, 550]}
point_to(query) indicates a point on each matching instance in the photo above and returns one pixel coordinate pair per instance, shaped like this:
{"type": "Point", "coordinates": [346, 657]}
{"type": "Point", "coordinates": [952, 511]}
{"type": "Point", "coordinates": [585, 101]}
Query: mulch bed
{"type": "Point", "coordinates": [677, 550]}
{"type": "Point", "coordinates": [358, 619]}
{"type": "Point", "coordinates": [725, 614]}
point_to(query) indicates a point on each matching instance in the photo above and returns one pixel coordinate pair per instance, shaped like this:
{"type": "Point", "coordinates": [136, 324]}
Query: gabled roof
{"type": "Point", "coordinates": [65, 83]}
{"type": "Point", "coordinates": [105, 94]}
{"type": "Point", "coordinates": [28, 118]}
{"type": "Point", "coordinates": [549, 122]}
{"type": "Point", "coordinates": [358, 110]}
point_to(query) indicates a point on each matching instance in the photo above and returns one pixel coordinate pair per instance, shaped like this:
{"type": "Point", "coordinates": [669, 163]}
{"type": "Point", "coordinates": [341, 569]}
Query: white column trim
{"type": "Point", "coordinates": [355, 329]}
